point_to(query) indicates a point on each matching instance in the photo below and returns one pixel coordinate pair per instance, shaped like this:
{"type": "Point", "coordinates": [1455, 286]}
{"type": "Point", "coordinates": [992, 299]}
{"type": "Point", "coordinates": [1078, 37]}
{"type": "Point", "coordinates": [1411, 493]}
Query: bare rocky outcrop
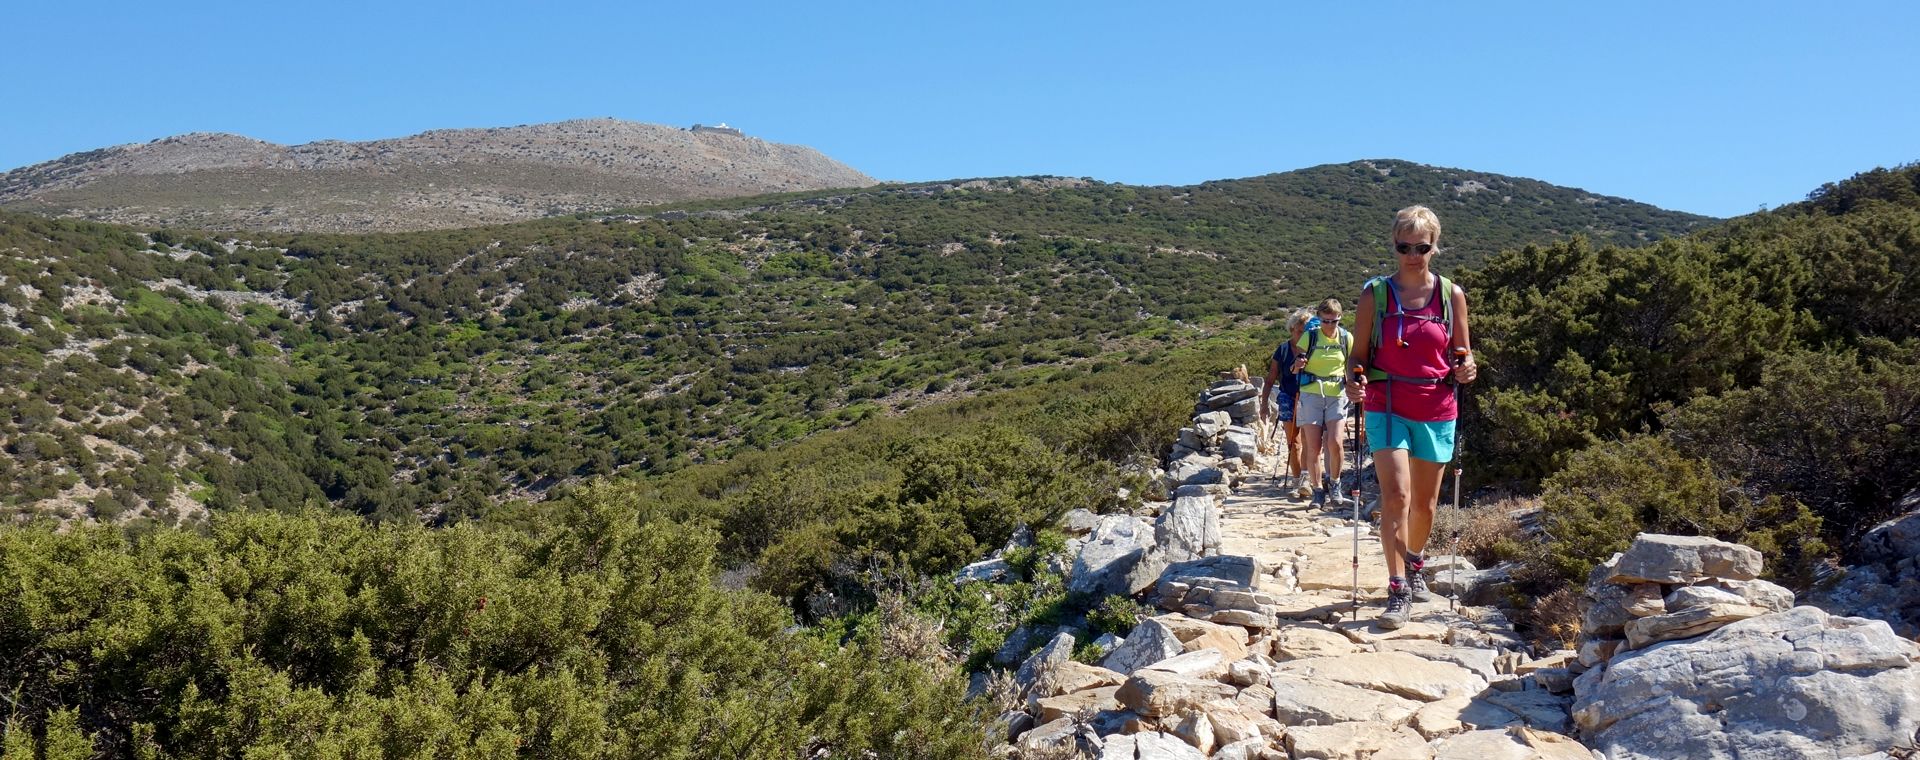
{"type": "Point", "coordinates": [441, 178]}
{"type": "Point", "coordinates": [1687, 654]}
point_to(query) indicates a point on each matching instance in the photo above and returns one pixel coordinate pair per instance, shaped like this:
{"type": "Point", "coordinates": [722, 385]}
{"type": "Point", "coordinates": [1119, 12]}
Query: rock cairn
{"type": "Point", "coordinates": [1223, 441]}
{"type": "Point", "coordinates": [1686, 653]}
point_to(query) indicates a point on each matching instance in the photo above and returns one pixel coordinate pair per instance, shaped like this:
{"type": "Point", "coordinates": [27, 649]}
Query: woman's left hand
{"type": "Point", "coordinates": [1466, 371]}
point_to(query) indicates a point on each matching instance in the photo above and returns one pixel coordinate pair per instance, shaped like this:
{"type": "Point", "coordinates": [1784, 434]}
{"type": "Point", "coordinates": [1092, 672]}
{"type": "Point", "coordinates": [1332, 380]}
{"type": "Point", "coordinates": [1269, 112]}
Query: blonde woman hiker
{"type": "Point", "coordinates": [1412, 335]}
{"type": "Point", "coordinates": [1322, 363]}
{"type": "Point", "coordinates": [1283, 393]}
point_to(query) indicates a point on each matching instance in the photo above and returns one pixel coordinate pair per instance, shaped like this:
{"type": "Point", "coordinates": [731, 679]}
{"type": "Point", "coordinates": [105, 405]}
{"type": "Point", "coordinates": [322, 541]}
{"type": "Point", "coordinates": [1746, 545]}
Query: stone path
{"type": "Point", "coordinates": [1260, 655]}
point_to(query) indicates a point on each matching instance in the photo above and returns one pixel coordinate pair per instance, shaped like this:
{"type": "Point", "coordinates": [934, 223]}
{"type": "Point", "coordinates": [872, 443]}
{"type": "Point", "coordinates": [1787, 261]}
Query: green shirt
{"type": "Point", "coordinates": [1328, 360]}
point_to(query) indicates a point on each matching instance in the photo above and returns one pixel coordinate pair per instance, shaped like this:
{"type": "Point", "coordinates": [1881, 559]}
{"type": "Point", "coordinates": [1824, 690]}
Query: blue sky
{"type": "Point", "coordinates": [1710, 107]}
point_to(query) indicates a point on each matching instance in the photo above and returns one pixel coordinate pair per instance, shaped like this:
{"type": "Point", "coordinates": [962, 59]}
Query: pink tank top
{"type": "Point", "coordinates": [1424, 355]}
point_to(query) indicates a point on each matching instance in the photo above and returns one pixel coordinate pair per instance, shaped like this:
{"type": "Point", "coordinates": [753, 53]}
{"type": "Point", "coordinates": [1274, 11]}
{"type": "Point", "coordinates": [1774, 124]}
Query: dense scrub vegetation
{"type": "Point", "coordinates": [645, 617]}
{"type": "Point", "coordinates": [317, 636]}
{"type": "Point", "coordinates": [1758, 381]}
{"type": "Point", "coordinates": [434, 375]}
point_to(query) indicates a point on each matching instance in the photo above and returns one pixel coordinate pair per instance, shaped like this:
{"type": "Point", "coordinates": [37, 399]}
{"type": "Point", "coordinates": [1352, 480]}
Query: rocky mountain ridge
{"type": "Point", "coordinates": [435, 179]}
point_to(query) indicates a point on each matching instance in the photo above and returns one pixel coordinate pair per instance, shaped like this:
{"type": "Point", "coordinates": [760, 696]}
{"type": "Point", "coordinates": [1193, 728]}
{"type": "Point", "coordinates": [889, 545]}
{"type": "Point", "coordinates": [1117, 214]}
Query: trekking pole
{"type": "Point", "coordinates": [1356, 513]}
{"type": "Point", "coordinates": [1460, 354]}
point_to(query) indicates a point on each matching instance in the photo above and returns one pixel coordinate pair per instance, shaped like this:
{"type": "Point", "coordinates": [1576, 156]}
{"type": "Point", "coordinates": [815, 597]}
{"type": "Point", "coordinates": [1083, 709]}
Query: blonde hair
{"type": "Point", "coordinates": [1330, 306]}
{"type": "Point", "coordinates": [1298, 320]}
{"type": "Point", "coordinates": [1417, 219]}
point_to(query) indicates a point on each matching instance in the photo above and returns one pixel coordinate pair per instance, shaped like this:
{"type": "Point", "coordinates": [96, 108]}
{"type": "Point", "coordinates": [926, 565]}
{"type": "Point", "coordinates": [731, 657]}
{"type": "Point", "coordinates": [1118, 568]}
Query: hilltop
{"type": "Point", "coordinates": [437, 179]}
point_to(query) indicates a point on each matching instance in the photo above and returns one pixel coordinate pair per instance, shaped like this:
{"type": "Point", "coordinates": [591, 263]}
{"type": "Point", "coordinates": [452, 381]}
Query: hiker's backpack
{"type": "Point", "coordinates": [1382, 289]}
{"type": "Point", "coordinates": [1346, 349]}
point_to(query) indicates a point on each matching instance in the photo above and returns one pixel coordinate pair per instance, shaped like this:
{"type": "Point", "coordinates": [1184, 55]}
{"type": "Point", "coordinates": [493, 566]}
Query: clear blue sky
{"type": "Point", "coordinates": [1715, 108]}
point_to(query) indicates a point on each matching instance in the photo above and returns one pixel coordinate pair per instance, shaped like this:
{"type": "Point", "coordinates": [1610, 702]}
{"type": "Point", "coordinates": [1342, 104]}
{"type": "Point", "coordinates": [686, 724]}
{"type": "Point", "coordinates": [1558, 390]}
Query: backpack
{"type": "Point", "coordinates": [1346, 349]}
{"type": "Point", "coordinates": [1382, 289]}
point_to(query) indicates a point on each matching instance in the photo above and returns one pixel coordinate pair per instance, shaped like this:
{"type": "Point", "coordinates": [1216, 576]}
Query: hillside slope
{"type": "Point", "coordinates": [437, 373]}
{"type": "Point", "coordinates": [437, 179]}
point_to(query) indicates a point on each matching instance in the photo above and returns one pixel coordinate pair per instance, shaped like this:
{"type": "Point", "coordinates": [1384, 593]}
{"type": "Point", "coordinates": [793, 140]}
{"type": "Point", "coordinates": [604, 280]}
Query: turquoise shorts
{"type": "Point", "coordinates": [1431, 441]}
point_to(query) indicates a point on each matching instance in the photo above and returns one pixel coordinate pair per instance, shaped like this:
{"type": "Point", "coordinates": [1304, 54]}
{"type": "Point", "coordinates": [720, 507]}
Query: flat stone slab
{"type": "Point", "coordinates": [1299, 701]}
{"type": "Point", "coordinates": [1334, 570]}
{"type": "Point", "coordinates": [1068, 705]}
{"type": "Point", "coordinates": [1344, 741]}
{"type": "Point", "coordinates": [1397, 673]}
{"type": "Point", "coordinates": [1300, 641]}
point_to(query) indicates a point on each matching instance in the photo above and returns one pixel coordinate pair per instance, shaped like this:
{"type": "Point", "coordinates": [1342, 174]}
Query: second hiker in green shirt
{"type": "Point", "coordinates": [1322, 416]}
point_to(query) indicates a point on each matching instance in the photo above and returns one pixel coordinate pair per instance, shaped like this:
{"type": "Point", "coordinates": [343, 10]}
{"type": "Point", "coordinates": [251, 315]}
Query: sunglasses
{"type": "Point", "coordinates": [1422, 248]}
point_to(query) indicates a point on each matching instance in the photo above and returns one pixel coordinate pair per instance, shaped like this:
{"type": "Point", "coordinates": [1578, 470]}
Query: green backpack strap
{"type": "Point", "coordinates": [1382, 291]}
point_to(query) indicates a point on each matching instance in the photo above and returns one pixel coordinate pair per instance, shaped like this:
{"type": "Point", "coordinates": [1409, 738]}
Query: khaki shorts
{"type": "Point", "coordinates": [1316, 409]}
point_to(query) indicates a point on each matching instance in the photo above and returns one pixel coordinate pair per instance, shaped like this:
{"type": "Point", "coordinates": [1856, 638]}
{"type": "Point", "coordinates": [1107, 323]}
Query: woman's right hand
{"type": "Point", "coordinates": [1357, 388]}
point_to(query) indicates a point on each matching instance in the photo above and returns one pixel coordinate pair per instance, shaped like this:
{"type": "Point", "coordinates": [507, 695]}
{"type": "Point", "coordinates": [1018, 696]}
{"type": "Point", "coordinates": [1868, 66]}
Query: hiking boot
{"type": "Point", "coordinates": [1303, 490]}
{"type": "Point", "coordinates": [1398, 605]}
{"type": "Point", "coordinates": [1417, 587]}
{"type": "Point", "coordinates": [1319, 497]}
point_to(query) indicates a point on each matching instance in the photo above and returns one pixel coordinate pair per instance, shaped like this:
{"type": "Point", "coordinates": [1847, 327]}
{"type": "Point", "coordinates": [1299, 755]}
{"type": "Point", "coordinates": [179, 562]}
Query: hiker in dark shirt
{"type": "Point", "coordinates": [1283, 392]}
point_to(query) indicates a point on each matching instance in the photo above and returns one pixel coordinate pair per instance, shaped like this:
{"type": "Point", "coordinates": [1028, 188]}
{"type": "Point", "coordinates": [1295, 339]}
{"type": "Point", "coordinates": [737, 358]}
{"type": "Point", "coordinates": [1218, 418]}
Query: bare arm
{"type": "Point", "coordinates": [1466, 371]}
{"type": "Point", "coordinates": [1362, 346]}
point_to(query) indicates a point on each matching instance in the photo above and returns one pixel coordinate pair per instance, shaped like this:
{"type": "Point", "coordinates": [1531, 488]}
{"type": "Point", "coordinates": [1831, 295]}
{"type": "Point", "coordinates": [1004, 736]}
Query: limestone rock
{"type": "Point", "coordinates": [1155, 745]}
{"type": "Point", "coordinates": [1248, 672]}
{"type": "Point", "coordinates": [1896, 539]}
{"type": "Point", "coordinates": [1644, 600]}
{"type": "Point", "coordinates": [1069, 677]}
{"type": "Point", "coordinates": [1074, 703]}
{"type": "Point", "coordinates": [1759, 593]}
{"type": "Point", "coordinates": [1392, 672]}
{"type": "Point", "coordinates": [1049, 737]}
{"type": "Point", "coordinates": [1509, 744]}
{"type": "Point", "coordinates": [1797, 684]}
{"type": "Point", "coordinates": [1150, 642]}
{"type": "Point", "coordinates": [1197, 731]}
{"type": "Point", "coordinates": [1245, 749]}
{"type": "Point", "coordinates": [1689, 597]}
{"type": "Point", "coordinates": [1192, 469]}
{"type": "Point", "coordinates": [1245, 618]}
{"type": "Point", "coordinates": [1477, 659]}
{"type": "Point", "coordinates": [1345, 741]}
{"type": "Point", "coordinates": [1603, 611]}
{"type": "Point", "coordinates": [1206, 664]}
{"type": "Point", "coordinates": [1057, 651]}
{"type": "Point", "coordinates": [1015, 650]}
{"type": "Point", "coordinates": [1304, 640]}
{"type": "Point", "coordinates": [1110, 553]}
{"type": "Point", "coordinates": [991, 570]}
{"type": "Point", "coordinates": [1660, 558]}
{"type": "Point", "coordinates": [1213, 423]}
{"type": "Point", "coordinates": [1195, 635]}
{"type": "Point", "coordinates": [1190, 530]}
{"type": "Point", "coordinates": [1157, 693]}
{"type": "Point", "coordinates": [1593, 652]}
{"type": "Point", "coordinates": [1299, 701]}
{"type": "Point", "coordinates": [1538, 708]}
{"type": "Point", "coordinates": [1687, 623]}
{"type": "Point", "coordinates": [1079, 522]}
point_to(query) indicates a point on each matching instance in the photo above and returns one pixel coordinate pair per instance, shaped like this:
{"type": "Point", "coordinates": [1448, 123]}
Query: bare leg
{"type": "Point", "coordinates": [1336, 446]}
{"type": "Point", "coordinates": [1310, 458]}
{"type": "Point", "coordinates": [1426, 479]}
{"type": "Point", "coordinates": [1293, 448]}
{"type": "Point", "coordinates": [1391, 466]}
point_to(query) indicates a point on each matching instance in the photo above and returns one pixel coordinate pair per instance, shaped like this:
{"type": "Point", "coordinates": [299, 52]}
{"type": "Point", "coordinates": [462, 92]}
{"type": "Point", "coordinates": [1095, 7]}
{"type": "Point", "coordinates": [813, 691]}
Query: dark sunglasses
{"type": "Point", "coordinates": [1422, 248]}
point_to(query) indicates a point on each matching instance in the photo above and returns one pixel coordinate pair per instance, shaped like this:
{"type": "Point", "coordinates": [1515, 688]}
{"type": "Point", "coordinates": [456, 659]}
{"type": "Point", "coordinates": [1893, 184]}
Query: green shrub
{"type": "Point", "coordinates": [306, 636]}
{"type": "Point", "coordinates": [1831, 429]}
{"type": "Point", "coordinates": [1609, 492]}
